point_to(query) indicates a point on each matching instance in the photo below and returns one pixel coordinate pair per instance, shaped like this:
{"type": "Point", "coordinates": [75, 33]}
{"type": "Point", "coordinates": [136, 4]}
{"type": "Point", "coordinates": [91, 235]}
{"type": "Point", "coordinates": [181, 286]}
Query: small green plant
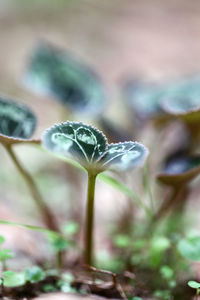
{"type": "Point", "coordinates": [89, 147]}
{"type": "Point", "coordinates": [195, 285]}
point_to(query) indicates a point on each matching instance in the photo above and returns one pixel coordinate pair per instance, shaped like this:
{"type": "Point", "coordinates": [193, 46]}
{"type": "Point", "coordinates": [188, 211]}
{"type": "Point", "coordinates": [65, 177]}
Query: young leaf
{"type": "Point", "coordinates": [81, 142]}
{"type": "Point", "coordinates": [194, 284]}
{"type": "Point", "coordinates": [124, 156]}
{"type": "Point", "coordinates": [17, 122]}
{"type": "Point", "coordinates": [52, 72]}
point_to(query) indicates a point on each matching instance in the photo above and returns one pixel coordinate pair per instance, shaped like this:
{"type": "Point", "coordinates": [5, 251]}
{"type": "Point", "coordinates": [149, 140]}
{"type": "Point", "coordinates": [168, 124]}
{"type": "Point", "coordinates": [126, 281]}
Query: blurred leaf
{"type": "Point", "coordinates": [70, 228]}
{"type": "Point", "coordinates": [34, 274]}
{"type": "Point", "coordinates": [59, 243]}
{"type": "Point", "coordinates": [16, 121]}
{"type": "Point", "coordinates": [122, 241]}
{"type": "Point", "coordinates": [13, 279]}
{"type": "Point", "coordinates": [55, 73]}
{"type": "Point", "coordinates": [31, 227]}
{"type": "Point", "coordinates": [158, 247]}
{"type": "Point", "coordinates": [190, 248]}
{"type": "Point", "coordinates": [166, 272]}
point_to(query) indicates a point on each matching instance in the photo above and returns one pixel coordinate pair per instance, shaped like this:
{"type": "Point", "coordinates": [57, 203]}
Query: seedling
{"type": "Point", "coordinates": [58, 74]}
{"type": "Point", "coordinates": [178, 173]}
{"type": "Point", "coordinates": [195, 285]}
{"type": "Point", "coordinates": [17, 124]}
{"type": "Point", "coordinates": [89, 147]}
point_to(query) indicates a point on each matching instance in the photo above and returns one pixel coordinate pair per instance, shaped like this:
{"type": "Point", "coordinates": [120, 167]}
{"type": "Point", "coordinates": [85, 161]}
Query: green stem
{"type": "Point", "coordinates": [46, 214]}
{"type": "Point", "coordinates": [89, 219]}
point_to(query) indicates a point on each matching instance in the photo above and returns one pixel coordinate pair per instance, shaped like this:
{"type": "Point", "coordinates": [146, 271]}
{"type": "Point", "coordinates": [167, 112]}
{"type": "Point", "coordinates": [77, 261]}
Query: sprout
{"type": "Point", "coordinates": [177, 174]}
{"type": "Point", "coordinates": [17, 124]}
{"type": "Point", "coordinates": [89, 147]}
{"type": "Point", "coordinates": [54, 73]}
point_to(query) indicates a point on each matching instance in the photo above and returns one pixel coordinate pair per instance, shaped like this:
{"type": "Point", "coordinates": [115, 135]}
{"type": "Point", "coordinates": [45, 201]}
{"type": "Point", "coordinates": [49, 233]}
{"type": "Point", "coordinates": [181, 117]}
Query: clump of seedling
{"type": "Point", "coordinates": [89, 147]}
{"type": "Point", "coordinates": [17, 124]}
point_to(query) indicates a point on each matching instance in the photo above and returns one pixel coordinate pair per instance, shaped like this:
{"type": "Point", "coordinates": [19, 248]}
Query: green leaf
{"type": "Point", "coordinates": [81, 142]}
{"type": "Point", "coordinates": [190, 248]}
{"type": "Point", "coordinates": [124, 156]}
{"type": "Point", "coordinates": [194, 284]}
{"type": "Point", "coordinates": [16, 120]}
{"type": "Point", "coordinates": [60, 75]}
{"type": "Point", "coordinates": [13, 279]}
{"type": "Point", "coordinates": [6, 254]}
{"type": "Point", "coordinates": [34, 274]}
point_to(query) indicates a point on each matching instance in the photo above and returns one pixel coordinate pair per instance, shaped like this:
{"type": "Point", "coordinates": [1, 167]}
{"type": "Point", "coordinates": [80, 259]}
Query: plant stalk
{"type": "Point", "coordinates": [88, 259]}
{"type": "Point", "coordinates": [46, 214]}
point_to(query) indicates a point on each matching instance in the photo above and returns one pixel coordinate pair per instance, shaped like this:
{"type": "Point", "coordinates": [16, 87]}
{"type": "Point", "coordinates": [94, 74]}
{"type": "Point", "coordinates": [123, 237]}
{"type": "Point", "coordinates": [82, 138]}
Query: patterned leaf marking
{"type": "Point", "coordinates": [124, 156]}
{"type": "Point", "coordinates": [16, 120]}
{"type": "Point", "coordinates": [77, 140]}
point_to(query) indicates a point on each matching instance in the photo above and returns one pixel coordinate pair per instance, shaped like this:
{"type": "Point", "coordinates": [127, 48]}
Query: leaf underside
{"type": "Point", "coordinates": [52, 72]}
{"type": "Point", "coordinates": [16, 120]}
{"type": "Point", "coordinates": [88, 146]}
{"type": "Point", "coordinates": [124, 156]}
{"type": "Point", "coordinates": [76, 140]}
